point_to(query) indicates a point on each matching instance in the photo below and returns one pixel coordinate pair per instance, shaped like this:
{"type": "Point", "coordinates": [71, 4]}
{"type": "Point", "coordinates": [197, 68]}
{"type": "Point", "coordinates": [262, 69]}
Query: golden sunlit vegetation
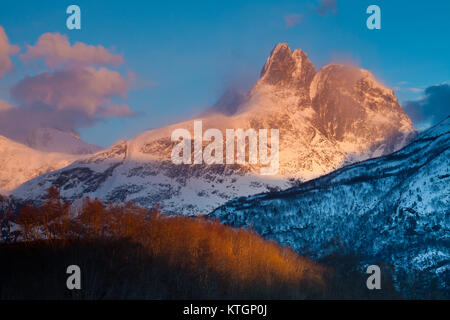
{"type": "Point", "coordinates": [126, 251]}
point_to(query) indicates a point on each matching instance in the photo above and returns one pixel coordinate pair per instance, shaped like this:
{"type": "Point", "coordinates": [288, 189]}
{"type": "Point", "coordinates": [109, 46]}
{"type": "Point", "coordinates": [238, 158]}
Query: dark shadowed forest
{"type": "Point", "coordinates": [128, 252]}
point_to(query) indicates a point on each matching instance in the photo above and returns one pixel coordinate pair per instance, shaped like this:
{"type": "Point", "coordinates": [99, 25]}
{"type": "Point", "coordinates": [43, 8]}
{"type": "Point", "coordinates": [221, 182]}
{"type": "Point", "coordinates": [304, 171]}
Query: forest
{"type": "Point", "coordinates": [128, 252]}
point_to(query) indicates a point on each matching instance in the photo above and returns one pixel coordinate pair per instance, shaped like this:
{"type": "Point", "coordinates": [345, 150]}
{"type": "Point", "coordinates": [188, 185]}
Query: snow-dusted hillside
{"type": "Point", "coordinates": [19, 163]}
{"type": "Point", "coordinates": [326, 120]}
{"type": "Point", "coordinates": [394, 208]}
{"type": "Point", "coordinates": [54, 140]}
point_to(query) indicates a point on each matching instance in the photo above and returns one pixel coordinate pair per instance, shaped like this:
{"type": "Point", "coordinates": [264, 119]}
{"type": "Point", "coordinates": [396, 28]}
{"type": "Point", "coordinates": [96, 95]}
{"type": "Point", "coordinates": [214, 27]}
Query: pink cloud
{"type": "Point", "coordinates": [116, 111]}
{"type": "Point", "coordinates": [293, 19]}
{"type": "Point", "coordinates": [86, 90]}
{"type": "Point", "coordinates": [6, 50]}
{"type": "Point", "coordinates": [56, 50]}
{"type": "Point", "coordinates": [78, 93]}
{"type": "Point", "coordinates": [5, 106]}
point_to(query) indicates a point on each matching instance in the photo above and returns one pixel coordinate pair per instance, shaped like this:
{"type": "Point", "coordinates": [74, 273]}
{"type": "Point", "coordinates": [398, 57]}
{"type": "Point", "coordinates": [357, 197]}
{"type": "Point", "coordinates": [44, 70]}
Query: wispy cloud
{"type": "Point", "coordinates": [403, 86]}
{"type": "Point", "coordinates": [293, 19]}
{"type": "Point", "coordinates": [326, 6]}
{"type": "Point", "coordinates": [414, 90]}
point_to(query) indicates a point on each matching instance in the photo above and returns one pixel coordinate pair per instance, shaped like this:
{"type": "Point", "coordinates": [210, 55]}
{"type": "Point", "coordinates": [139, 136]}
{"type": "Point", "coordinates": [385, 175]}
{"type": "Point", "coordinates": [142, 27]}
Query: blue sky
{"type": "Point", "coordinates": [187, 53]}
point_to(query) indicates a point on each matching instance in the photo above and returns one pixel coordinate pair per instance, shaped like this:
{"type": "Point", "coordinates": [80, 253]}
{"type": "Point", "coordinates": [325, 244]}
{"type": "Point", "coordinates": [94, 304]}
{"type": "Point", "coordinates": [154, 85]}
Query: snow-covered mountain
{"type": "Point", "coordinates": [19, 163]}
{"type": "Point", "coordinates": [55, 140]}
{"type": "Point", "coordinates": [326, 119]}
{"type": "Point", "coordinates": [394, 208]}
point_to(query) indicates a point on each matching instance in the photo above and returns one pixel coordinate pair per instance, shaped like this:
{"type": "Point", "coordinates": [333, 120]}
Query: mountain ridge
{"type": "Point", "coordinates": [394, 208]}
{"type": "Point", "coordinates": [144, 173]}
{"type": "Point", "coordinates": [20, 163]}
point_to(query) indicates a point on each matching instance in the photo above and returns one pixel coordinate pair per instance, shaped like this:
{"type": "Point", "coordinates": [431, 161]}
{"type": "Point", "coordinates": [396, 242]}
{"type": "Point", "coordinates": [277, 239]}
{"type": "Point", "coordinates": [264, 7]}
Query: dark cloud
{"type": "Point", "coordinates": [430, 109]}
{"type": "Point", "coordinates": [326, 6]}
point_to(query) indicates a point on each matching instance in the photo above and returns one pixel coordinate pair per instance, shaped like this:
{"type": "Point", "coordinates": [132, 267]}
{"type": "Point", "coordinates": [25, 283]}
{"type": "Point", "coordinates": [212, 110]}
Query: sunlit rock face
{"type": "Point", "coordinates": [359, 113]}
{"type": "Point", "coordinates": [286, 69]}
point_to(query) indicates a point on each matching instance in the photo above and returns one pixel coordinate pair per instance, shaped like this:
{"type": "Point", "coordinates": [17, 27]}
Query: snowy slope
{"type": "Point", "coordinates": [394, 208]}
{"type": "Point", "coordinates": [311, 111]}
{"type": "Point", "coordinates": [19, 163]}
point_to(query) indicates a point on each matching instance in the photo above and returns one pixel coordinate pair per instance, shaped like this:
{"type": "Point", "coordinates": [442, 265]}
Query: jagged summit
{"type": "Point", "coordinates": [287, 69]}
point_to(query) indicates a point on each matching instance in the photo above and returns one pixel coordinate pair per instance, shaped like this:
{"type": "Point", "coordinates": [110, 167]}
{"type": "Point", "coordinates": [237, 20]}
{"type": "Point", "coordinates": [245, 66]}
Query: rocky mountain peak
{"type": "Point", "coordinates": [350, 118]}
{"type": "Point", "coordinates": [285, 68]}
{"type": "Point", "coordinates": [354, 109]}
